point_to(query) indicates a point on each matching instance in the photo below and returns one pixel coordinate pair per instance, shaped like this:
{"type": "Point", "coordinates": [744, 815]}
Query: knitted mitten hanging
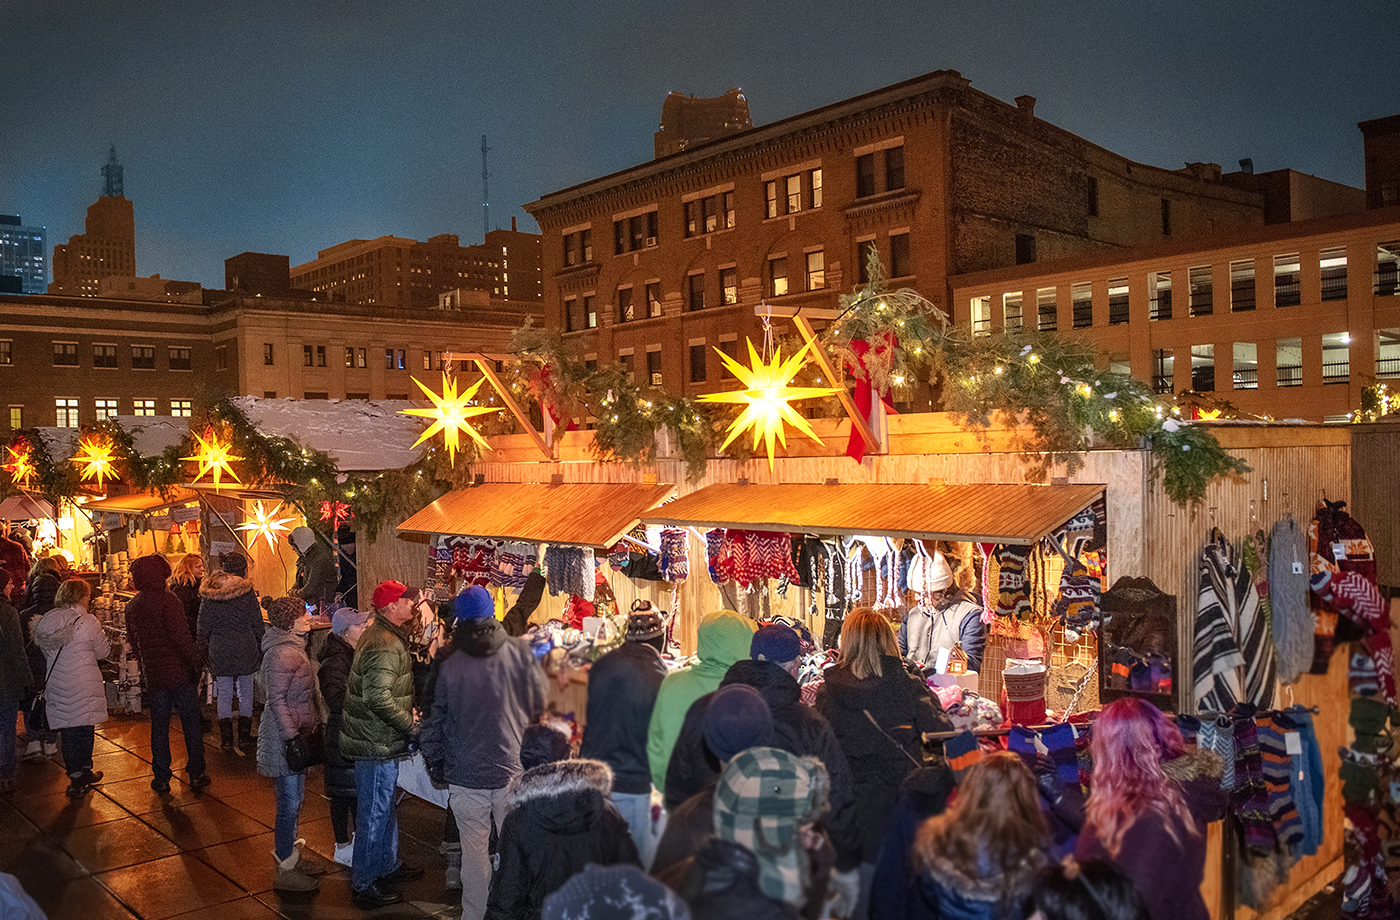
{"type": "Point", "coordinates": [1221, 742]}
{"type": "Point", "coordinates": [1014, 594]}
{"type": "Point", "coordinates": [1251, 796]}
{"type": "Point", "coordinates": [1059, 741]}
{"type": "Point", "coordinates": [962, 751]}
{"type": "Point", "coordinates": [1021, 741]}
{"type": "Point", "coordinates": [1278, 774]}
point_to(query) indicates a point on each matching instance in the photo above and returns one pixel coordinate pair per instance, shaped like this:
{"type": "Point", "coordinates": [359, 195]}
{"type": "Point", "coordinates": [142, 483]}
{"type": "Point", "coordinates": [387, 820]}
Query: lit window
{"type": "Point", "coordinates": [1333, 263]}
{"type": "Point", "coordinates": [1245, 374]}
{"type": "Point", "coordinates": [654, 368]}
{"type": "Point", "coordinates": [67, 411]}
{"type": "Point", "coordinates": [814, 178]}
{"type": "Point", "coordinates": [981, 312]}
{"type": "Point", "coordinates": [1288, 361]}
{"type": "Point", "coordinates": [1336, 357]}
{"type": "Point", "coordinates": [770, 194]}
{"type": "Point", "coordinates": [816, 270]}
{"type": "Point", "coordinates": [654, 299]}
{"type": "Point", "coordinates": [180, 408]}
{"type": "Point", "coordinates": [7, 353]}
{"type": "Point", "coordinates": [777, 277]}
{"type": "Point", "coordinates": [590, 312]}
{"type": "Point", "coordinates": [626, 312]}
{"type": "Point", "coordinates": [1047, 309]}
{"type": "Point", "coordinates": [1011, 311]}
{"type": "Point", "coordinates": [1388, 353]}
{"type": "Point", "coordinates": [729, 285]}
{"type": "Point", "coordinates": [1203, 368]}
{"type": "Point", "coordinates": [16, 418]}
{"type": "Point", "coordinates": [1163, 363]}
{"type": "Point", "coordinates": [1117, 301]}
{"type": "Point", "coordinates": [794, 194]}
{"type": "Point", "coordinates": [143, 406]}
{"type": "Point", "coordinates": [106, 408]}
{"type": "Point", "coordinates": [1287, 292]}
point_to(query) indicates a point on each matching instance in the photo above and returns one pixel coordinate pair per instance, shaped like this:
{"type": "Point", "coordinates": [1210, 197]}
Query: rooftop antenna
{"type": "Point", "coordinates": [485, 197]}
{"type": "Point", "coordinates": [112, 176]}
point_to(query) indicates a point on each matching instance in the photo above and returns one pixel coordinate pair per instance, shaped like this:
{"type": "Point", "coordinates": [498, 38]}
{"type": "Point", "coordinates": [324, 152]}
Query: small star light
{"type": "Point", "coordinates": [449, 413]}
{"type": "Point", "coordinates": [335, 512]}
{"type": "Point", "coordinates": [266, 524]}
{"type": "Point", "coordinates": [19, 463]}
{"type": "Point", "coordinates": [214, 455]}
{"type": "Point", "coordinates": [766, 396]}
{"type": "Point", "coordinates": [95, 457]}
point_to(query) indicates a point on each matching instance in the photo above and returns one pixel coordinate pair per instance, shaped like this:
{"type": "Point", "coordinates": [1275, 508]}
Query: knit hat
{"type": "Point", "coordinates": [386, 592]}
{"type": "Point", "coordinates": [346, 618]}
{"type": "Point", "coordinates": [929, 573]}
{"type": "Point", "coordinates": [736, 719]}
{"type": "Point", "coordinates": [614, 893]}
{"type": "Point", "coordinates": [643, 625]}
{"type": "Point", "coordinates": [475, 603]}
{"type": "Point", "coordinates": [776, 643]}
{"type": "Point", "coordinates": [284, 611]}
{"type": "Point", "coordinates": [542, 744]}
{"type": "Point", "coordinates": [764, 797]}
{"type": "Point", "coordinates": [234, 564]}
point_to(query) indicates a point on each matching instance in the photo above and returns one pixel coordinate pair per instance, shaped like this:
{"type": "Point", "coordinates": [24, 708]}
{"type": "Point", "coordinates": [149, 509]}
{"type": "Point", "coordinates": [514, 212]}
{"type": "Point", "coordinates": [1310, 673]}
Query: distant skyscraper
{"type": "Point", "coordinates": [23, 255]}
{"type": "Point", "coordinates": [107, 249]}
{"type": "Point", "coordinates": [689, 120]}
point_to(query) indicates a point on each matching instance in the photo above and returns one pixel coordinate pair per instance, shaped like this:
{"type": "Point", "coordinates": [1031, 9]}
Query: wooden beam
{"type": "Point", "coordinates": [484, 365]}
{"type": "Point", "coordinates": [858, 421]}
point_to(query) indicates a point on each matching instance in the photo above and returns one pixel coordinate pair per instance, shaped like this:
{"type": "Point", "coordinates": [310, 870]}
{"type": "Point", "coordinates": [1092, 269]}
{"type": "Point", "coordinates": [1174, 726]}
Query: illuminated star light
{"type": "Point", "coordinates": [214, 455]}
{"type": "Point", "coordinates": [20, 463]}
{"type": "Point", "coordinates": [335, 512]}
{"type": "Point", "coordinates": [450, 413]}
{"type": "Point", "coordinates": [266, 524]}
{"type": "Point", "coordinates": [95, 458]}
{"type": "Point", "coordinates": [765, 397]}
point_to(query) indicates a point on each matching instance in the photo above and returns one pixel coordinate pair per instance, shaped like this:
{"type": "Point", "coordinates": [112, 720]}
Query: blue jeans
{"type": "Point", "coordinates": [376, 822]}
{"type": "Point", "coordinates": [223, 695]}
{"type": "Point", "coordinates": [9, 714]}
{"type": "Point", "coordinates": [185, 701]}
{"type": "Point", "coordinates": [290, 789]}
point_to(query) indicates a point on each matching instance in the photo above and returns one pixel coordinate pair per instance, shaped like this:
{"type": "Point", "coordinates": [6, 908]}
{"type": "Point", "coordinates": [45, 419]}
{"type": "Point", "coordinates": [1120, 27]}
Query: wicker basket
{"type": "Point", "coordinates": [1025, 684]}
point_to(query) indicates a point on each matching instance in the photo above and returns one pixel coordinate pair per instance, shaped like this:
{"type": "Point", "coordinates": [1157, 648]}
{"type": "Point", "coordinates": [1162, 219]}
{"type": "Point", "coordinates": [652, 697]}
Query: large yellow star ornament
{"type": "Point", "coordinates": [214, 455]}
{"type": "Point", "coordinates": [94, 458]}
{"type": "Point", "coordinates": [19, 463]}
{"type": "Point", "coordinates": [449, 413]}
{"type": "Point", "coordinates": [766, 396]}
{"type": "Point", "coordinates": [266, 524]}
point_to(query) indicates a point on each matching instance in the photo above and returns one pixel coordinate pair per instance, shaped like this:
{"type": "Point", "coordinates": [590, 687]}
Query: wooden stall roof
{"type": "Point", "coordinates": [982, 512]}
{"type": "Point", "coordinates": [580, 514]}
{"type": "Point", "coordinates": [142, 502]}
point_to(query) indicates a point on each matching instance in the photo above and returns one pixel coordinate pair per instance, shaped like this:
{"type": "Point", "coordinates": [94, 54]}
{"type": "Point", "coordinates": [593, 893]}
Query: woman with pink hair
{"type": "Point", "coordinates": [1149, 804]}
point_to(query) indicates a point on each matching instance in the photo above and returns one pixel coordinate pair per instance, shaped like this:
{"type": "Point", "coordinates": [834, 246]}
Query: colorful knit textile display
{"type": "Point", "coordinates": [1013, 589]}
{"type": "Point", "coordinates": [1232, 656]}
{"type": "Point", "coordinates": [714, 541]}
{"type": "Point", "coordinates": [473, 561]}
{"type": "Point", "coordinates": [962, 751]}
{"type": "Point", "coordinates": [675, 562]}
{"type": "Point", "coordinates": [1078, 603]}
{"type": "Point", "coordinates": [1336, 544]}
{"type": "Point", "coordinates": [569, 570]}
{"type": "Point", "coordinates": [1360, 601]}
{"type": "Point", "coordinates": [1292, 621]}
{"type": "Point", "coordinates": [749, 556]}
{"type": "Point", "coordinates": [514, 562]}
{"type": "Point", "coordinates": [1251, 795]}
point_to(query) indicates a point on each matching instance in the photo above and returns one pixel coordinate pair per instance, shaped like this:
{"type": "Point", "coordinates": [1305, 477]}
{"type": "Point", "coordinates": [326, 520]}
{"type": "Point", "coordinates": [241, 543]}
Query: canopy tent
{"type": "Point", "coordinates": [578, 514]}
{"type": "Point", "coordinates": [24, 507]}
{"type": "Point", "coordinates": [142, 502]}
{"type": "Point", "coordinates": [979, 512]}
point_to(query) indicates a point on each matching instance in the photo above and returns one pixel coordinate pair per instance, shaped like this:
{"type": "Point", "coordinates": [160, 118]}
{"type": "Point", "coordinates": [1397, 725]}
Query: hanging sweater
{"type": "Point", "coordinates": [1232, 660]}
{"type": "Point", "coordinates": [1288, 594]}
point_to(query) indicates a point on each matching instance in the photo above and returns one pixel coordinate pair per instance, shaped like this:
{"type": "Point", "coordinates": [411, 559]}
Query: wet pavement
{"type": "Point", "coordinates": [123, 851]}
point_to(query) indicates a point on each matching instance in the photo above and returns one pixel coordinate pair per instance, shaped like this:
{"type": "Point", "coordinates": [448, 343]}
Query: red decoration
{"type": "Point", "coordinates": [864, 395]}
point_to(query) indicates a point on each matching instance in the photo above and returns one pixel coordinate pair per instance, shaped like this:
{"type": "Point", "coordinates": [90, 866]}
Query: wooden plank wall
{"type": "Point", "coordinates": [1376, 493]}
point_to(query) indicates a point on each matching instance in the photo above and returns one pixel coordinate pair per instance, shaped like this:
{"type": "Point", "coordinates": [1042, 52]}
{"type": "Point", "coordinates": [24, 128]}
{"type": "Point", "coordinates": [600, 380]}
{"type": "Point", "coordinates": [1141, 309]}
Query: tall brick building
{"type": "Point", "coordinates": [659, 262]}
{"type": "Point", "coordinates": [106, 249]}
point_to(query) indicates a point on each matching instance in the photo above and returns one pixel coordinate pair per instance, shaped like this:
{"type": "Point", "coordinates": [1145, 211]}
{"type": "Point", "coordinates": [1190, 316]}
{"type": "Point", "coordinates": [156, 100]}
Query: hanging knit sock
{"type": "Point", "coordinates": [1059, 741]}
{"type": "Point", "coordinates": [1368, 715]}
{"type": "Point", "coordinates": [1079, 599]}
{"type": "Point", "coordinates": [1221, 742]}
{"type": "Point", "coordinates": [1362, 677]}
{"type": "Point", "coordinates": [1014, 595]}
{"type": "Point", "coordinates": [1251, 795]}
{"type": "Point", "coordinates": [962, 751]}
{"type": "Point", "coordinates": [1278, 774]}
{"type": "Point", "coordinates": [1021, 741]}
{"type": "Point", "coordinates": [1360, 783]}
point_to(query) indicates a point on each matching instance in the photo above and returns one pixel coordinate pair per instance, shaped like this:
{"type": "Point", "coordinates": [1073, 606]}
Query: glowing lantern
{"type": "Point", "coordinates": [214, 455]}
{"type": "Point", "coordinates": [335, 512]}
{"type": "Point", "coordinates": [766, 397]}
{"type": "Point", "coordinates": [266, 524]}
{"type": "Point", "coordinates": [449, 413]}
{"type": "Point", "coordinates": [19, 463]}
{"type": "Point", "coordinates": [95, 458]}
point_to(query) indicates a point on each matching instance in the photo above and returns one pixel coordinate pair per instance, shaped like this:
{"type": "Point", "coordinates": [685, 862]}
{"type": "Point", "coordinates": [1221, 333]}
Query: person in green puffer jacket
{"type": "Point", "coordinates": [722, 638]}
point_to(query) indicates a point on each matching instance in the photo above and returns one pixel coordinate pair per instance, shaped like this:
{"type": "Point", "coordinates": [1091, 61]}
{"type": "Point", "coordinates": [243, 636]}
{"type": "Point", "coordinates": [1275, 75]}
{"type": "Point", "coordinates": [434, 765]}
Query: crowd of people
{"type": "Point", "coordinates": [714, 790]}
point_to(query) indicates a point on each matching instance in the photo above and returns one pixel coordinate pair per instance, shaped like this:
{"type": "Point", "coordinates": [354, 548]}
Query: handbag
{"type": "Point", "coordinates": [306, 749]}
{"type": "Point", "coordinates": [38, 718]}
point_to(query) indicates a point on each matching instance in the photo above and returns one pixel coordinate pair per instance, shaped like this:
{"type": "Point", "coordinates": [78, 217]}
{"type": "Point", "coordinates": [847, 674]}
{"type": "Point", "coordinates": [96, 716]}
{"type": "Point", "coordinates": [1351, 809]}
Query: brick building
{"type": "Point", "coordinates": [107, 248]}
{"type": "Point", "coordinates": [657, 263]}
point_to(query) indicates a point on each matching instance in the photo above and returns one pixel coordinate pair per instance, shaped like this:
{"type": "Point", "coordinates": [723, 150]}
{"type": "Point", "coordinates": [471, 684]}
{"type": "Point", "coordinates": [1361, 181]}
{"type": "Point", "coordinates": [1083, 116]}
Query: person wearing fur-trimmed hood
{"type": "Point", "coordinates": [230, 633]}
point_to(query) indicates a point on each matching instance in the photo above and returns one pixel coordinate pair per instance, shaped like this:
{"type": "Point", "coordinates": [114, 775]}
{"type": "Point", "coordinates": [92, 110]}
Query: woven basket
{"type": "Point", "coordinates": [1023, 685]}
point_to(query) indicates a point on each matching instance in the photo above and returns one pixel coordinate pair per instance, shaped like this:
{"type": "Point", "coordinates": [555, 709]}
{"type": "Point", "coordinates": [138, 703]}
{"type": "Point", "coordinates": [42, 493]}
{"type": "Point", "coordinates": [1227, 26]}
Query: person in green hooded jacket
{"type": "Point", "coordinates": [723, 638]}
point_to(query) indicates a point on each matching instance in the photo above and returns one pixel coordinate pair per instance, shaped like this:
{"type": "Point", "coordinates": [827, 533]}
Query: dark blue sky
{"type": "Point", "coordinates": [292, 125]}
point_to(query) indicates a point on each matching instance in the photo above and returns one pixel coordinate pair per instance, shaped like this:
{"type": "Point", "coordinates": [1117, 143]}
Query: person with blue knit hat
{"type": "Point", "coordinates": [487, 691]}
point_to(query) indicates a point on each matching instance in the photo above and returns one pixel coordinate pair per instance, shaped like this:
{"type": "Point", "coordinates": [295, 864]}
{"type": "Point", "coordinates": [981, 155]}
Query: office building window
{"type": "Point", "coordinates": [361, 357]}
{"type": "Point", "coordinates": [1241, 285]}
{"type": "Point", "coordinates": [349, 357]}
{"type": "Point", "coordinates": [65, 354]}
{"type": "Point", "coordinates": [653, 292]}
{"type": "Point", "coordinates": [104, 356]}
{"type": "Point", "coordinates": [814, 180]}
{"type": "Point", "coordinates": [572, 321]}
{"type": "Point", "coordinates": [1081, 299]}
{"type": "Point", "coordinates": [1159, 295]}
{"type": "Point", "coordinates": [629, 366]}
{"type": "Point", "coordinates": [388, 359]}
{"type": "Point", "coordinates": [654, 368]}
{"type": "Point", "coordinates": [1336, 357]}
{"type": "Point", "coordinates": [981, 312]}
{"type": "Point", "coordinates": [730, 347]}
{"type": "Point", "coordinates": [105, 408]}
{"type": "Point", "coordinates": [770, 196]}
{"type": "Point", "coordinates": [307, 356]}
{"type": "Point", "coordinates": [698, 371]}
{"type": "Point", "coordinates": [181, 408]}
{"type": "Point", "coordinates": [1202, 291]}
{"type": "Point", "coordinates": [816, 270]}
{"type": "Point", "coordinates": [865, 175]}
{"type": "Point", "coordinates": [427, 360]}
{"type": "Point", "coordinates": [1388, 268]}
{"type": "Point", "coordinates": [320, 356]}
{"type": "Point", "coordinates": [1246, 366]}
{"type": "Point", "coordinates": [625, 310]}
{"type": "Point", "coordinates": [1288, 362]}
{"type": "Point", "coordinates": [578, 247]}
{"type": "Point", "coordinates": [1203, 368]}
{"type": "Point", "coordinates": [1120, 364]}
{"type": "Point", "coordinates": [794, 194]}
{"type": "Point", "coordinates": [1047, 309]}
{"type": "Point", "coordinates": [1117, 301]}
{"type": "Point", "coordinates": [894, 168]}
{"type": "Point", "coordinates": [1163, 364]}
{"type": "Point", "coordinates": [695, 291]}
{"type": "Point", "coordinates": [1388, 353]}
{"type": "Point", "coordinates": [16, 418]}
{"type": "Point", "coordinates": [1025, 248]}
{"type": "Point", "coordinates": [1287, 292]}
{"type": "Point", "coordinates": [865, 251]}
{"type": "Point", "coordinates": [143, 407]}
{"type": "Point", "coordinates": [633, 233]}
{"type": "Point", "coordinates": [220, 358]}
{"type": "Point", "coordinates": [67, 412]}
{"type": "Point", "coordinates": [777, 277]}
{"type": "Point", "coordinates": [267, 355]}
{"type": "Point", "coordinates": [1092, 190]}
{"type": "Point", "coordinates": [900, 266]}
{"type": "Point", "coordinates": [7, 353]}
{"type": "Point", "coordinates": [1011, 311]}
{"type": "Point", "coordinates": [1333, 263]}
{"type": "Point", "coordinates": [729, 285]}
{"type": "Point", "coordinates": [590, 312]}
{"type": "Point", "coordinates": [1166, 217]}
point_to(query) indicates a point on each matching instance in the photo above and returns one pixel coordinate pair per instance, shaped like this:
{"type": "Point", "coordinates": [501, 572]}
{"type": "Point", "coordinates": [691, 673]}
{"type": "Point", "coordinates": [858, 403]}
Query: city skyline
{"type": "Point", "coordinates": [292, 130]}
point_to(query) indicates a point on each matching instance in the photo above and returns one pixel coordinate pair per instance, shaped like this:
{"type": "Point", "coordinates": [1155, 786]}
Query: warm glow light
{"type": "Point", "coordinates": [214, 455]}
{"type": "Point", "coordinates": [766, 397]}
{"type": "Point", "coordinates": [335, 512]}
{"type": "Point", "coordinates": [19, 463]}
{"type": "Point", "coordinates": [1208, 415]}
{"type": "Point", "coordinates": [264, 523]}
{"type": "Point", "coordinates": [94, 457]}
{"type": "Point", "coordinates": [449, 413]}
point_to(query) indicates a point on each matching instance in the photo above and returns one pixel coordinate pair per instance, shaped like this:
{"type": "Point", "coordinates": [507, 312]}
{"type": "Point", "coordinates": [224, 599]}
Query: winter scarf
{"type": "Point", "coordinates": [1292, 621]}
{"type": "Point", "coordinates": [1232, 661]}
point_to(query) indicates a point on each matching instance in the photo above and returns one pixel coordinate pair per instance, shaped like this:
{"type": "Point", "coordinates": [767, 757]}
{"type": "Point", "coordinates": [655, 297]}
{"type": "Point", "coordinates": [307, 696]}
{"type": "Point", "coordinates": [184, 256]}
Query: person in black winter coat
{"type": "Point", "coordinates": [16, 680]}
{"type": "Point", "coordinates": [333, 675]}
{"type": "Point", "coordinates": [622, 687]}
{"type": "Point", "coordinates": [231, 634]}
{"type": "Point", "coordinates": [38, 600]}
{"type": "Point", "coordinates": [923, 794]}
{"type": "Point", "coordinates": [559, 821]}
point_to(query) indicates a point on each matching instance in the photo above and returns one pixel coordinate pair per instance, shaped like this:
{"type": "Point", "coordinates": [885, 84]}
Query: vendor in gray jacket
{"type": "Point", "coordinates": [950, 616]}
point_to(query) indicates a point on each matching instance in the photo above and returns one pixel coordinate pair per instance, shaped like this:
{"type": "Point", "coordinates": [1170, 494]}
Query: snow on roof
{"type": "Point", "coordinates": [359, 434]}
{"type": "Point", "coordinates": [150, 434]}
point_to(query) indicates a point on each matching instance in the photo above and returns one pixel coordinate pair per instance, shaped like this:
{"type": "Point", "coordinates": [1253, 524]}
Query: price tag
{"type": "Point", "coordinates": [942, 666]}
{"type": "Point", "coordinates": [1339, 551]}
{"type": "Point", "coordinates": [1293, 743]}
{"type": "Point", "coordinates": [1297, 568]}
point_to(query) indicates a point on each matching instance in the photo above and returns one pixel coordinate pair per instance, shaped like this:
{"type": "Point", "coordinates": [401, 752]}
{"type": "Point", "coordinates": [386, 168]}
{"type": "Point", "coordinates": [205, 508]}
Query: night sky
{"type": "Point", "coordinates": [293, 125]}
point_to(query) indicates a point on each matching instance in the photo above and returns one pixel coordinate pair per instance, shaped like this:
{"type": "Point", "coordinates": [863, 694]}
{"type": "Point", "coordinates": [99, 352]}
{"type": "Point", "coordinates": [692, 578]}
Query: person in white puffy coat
{"type": "Point", "coordinates": [73, 642]}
